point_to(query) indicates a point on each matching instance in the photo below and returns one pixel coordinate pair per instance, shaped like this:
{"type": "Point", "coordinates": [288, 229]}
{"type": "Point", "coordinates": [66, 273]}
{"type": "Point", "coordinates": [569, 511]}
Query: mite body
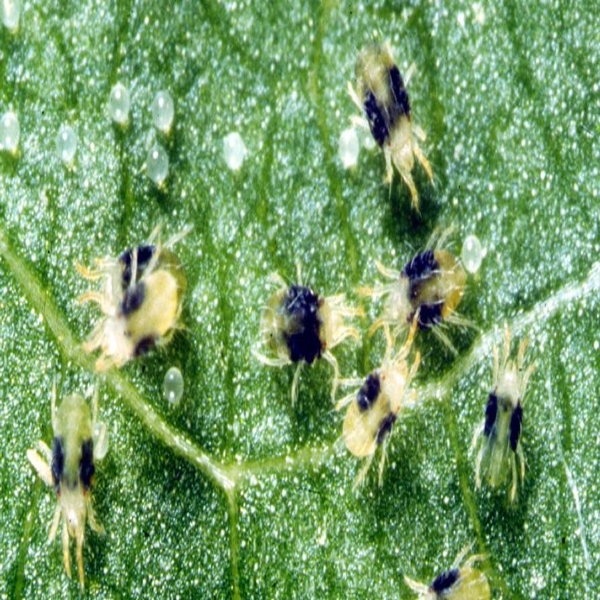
{"type": "Point", "coordinates": [374, 408]}
{"type": "Point", "coordinates": [69, 468]}
{"type": "Point", "coordinates": [457, 583]}
{"type": "Point", "coordinates": [299, 326]}
{"type": "Point", "coordinates": [141, 301]}
{"type": "Point", "coordinates": [500, 431]}
{"type": "Point", "coordinates": [429, 288]}
{"type": "Point", "coordinates": [381, 95]}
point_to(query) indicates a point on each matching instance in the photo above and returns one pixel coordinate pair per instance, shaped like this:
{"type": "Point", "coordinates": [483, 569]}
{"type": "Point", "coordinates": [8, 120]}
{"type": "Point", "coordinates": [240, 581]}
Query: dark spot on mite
{"type": "Point", "coordinates": [144, 256]}
{"type": "Point", "coordinates": [515, 426]}
{"type": "Point", "coordinates": [491, 411]}
{"type": "Point", "coordinates": [57, 465]}
{"type": "Point", "coordinates": [420, 268]}
{"type": "Point", "coordinates": [368, 392]}
{"type": "Point", "coordinates": [419, 271]}
{"type": "Point", "coordinates": [301, 306]}
{"type": "Point", "coordinates": [377, 123]}
{"type": "Point", "coordinates": [386, 427]}
{"type": "Point", "coordinates": [144, 346]}
{"type": "Point", "coordinates": [429, 315]}
{"type": "Point", "coordinates": [133, 298]}
{"type": "Point", "coordinates": [401, 105]}
{"type": "Point", "coordinates": [444, 581]}
{"type": "Point", "coordinates": [86, 464]}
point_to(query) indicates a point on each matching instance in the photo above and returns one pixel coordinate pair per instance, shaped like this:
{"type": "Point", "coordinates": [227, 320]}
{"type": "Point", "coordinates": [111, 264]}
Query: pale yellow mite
{"type": "Point", "coordinates": [457, 583]}
{"type": "Point", "coordinates": [429, 288]}
{"type": "Point", "coordinates": [69, 467]}
{"type": "Point", "coordinates": [380, 93]}
{"type": "Point", "coordinates": [500, 431]}
{"type": "Point", "coordinates": [298, 326]}
{"type": "Point", "coordinates": [374, 407]}
{"type": "Point", "coordinates": [141, 300]}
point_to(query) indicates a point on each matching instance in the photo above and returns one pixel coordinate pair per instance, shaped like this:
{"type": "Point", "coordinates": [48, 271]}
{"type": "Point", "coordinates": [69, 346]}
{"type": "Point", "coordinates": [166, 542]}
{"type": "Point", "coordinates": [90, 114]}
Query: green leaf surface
{"type": "Point", "coordinates": [235, 492]}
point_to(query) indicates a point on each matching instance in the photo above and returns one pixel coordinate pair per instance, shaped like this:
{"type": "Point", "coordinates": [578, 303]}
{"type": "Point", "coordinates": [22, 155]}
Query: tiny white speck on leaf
{"type": "Point", "coordinates": [157, 164]}
{"type": "Point", "coordinates": [472, 254]}
{"type": "Point", "coordinates": [10, 132]}
{"type": "Point", "coordinates": [348, 148]}
{"type": "Point", "coordinates": [100, 441]}
{"type": "Point", "coordinates": [11, 13]}
{"type": "Point", "coordinates": [173, 386]}
{"type": "Point", "coordinates": [66, 144]}
{"type": "Point", "coordinates": [118, 104]}
{"type": "Point", "coordinates": [163, 111]}
{"type": "Point", "coordinates": [479, 13]}
{"type": "Point", "coordinates": [234, 150]}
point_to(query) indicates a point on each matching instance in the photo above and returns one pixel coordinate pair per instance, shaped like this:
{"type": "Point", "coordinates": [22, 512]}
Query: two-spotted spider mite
{"type": "Point", "coordinates": [501, 428]}
{"type": "Point", "coordinates": [374, 408]}
{"type": "Point", "coordinates": [500, 431]}
{"type": "Point", "coordinates": [141, 300]}
{"type": "Point", "coordinates": [300, 326]}
{"type": "Point", "coordinates": [457, 583]}
{"type": "Point", "coordinates": [429, 287]}
{"type": "Point", "coordinates": [381, 94]}
{"type": "Point", "coordinates": [69, 467]}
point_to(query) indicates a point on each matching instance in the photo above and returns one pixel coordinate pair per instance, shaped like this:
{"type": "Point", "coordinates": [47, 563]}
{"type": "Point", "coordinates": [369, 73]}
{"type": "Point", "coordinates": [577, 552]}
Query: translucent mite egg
{"type": "Point", "coordinates": [10, 132]}
{"type": "Point", "coordinates": [157, 164]}
{"type": "Point", "coordinates": [10, 11]}
{"type": "Point", "coordinates": [118, 104]}
{"type": "Point", "coordinates": [472, 254]}
{"type": "Point", "coordinates": [100, 437]}
{"type": "Point", "coordinates": [173, 386]}
{"type": "Point", "coordinates": [163, 111]}
{"type": "Point", "coordinates": [348, 148]}
{"type": "Point", "coordinates": [66, 144]}
{"type": "Point", "coordinates": [234, 151]}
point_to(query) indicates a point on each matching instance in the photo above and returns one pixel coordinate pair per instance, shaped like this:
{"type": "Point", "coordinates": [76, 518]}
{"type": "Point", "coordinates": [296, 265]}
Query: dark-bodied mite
{"type": "Point", "coordinates": [429, 288]}
{"type": "Point", "coordinates": [374, 408]}
{"type": "Point", "coordinates": [500, 430]}
{"type": "Point", "coordinates": [457, 583]}
{"type": "Point", "coordinates": [380, 93]}
{"type": "Point", "coordinates": [299, 326]}
{"type": "Point", "coordinates": [141, 301]}
{"type": "Point", "coordinates": [69, 468]}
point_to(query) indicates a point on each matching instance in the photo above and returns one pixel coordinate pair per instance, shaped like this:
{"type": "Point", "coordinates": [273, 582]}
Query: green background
{"type": "Point", "coordinates": [236, 493]}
